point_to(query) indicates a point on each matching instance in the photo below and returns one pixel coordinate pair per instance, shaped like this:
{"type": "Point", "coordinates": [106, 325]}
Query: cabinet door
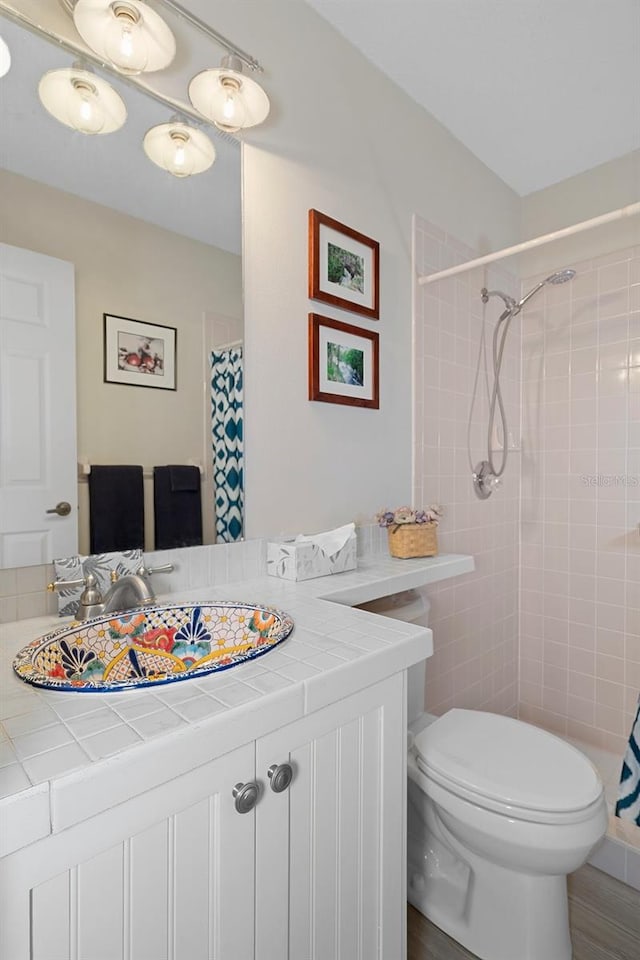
{"type": "Point", "coordinates": [330, 848]}
{"type": "Point", "coordinates": [166, 876]}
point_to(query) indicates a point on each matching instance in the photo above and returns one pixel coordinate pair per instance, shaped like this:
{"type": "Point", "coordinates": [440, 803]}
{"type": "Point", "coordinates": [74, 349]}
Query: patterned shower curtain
{"type": "Point", "coordinates": [628, 805]}
{"type": "Point", "coordinates": [228, 450]}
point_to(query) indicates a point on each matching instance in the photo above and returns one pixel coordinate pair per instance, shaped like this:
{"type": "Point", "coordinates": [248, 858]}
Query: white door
{"type": "Point", "coordinates": [38, 464]}
{"type": "Point", "coordinates": [330, 848]}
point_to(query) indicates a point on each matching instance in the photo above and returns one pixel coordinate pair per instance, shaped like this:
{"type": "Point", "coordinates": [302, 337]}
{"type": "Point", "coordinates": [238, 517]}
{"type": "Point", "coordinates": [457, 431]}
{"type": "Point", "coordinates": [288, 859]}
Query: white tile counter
{"type": "Point", "coordinates": [66, 756]}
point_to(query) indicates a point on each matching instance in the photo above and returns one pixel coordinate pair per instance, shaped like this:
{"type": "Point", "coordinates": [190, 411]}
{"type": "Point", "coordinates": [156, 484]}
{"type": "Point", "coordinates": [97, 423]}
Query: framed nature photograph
{"type": "Point", "coordinates": [343, 363]}
{"type": "Point", "coordinates": [344, 266]}
{"type": "Point", "coordinates": [139, 354]}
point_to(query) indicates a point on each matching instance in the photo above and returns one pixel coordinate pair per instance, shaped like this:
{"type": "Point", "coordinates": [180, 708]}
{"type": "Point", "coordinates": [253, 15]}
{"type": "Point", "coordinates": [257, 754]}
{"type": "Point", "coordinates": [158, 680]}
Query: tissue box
{"type": "Point", "coordinates": [303, 561]}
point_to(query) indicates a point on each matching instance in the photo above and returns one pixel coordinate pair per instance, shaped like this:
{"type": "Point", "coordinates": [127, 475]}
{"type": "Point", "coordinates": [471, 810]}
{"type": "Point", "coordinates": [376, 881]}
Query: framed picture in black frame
{"type": "Point", "coordinates": [139, 354]}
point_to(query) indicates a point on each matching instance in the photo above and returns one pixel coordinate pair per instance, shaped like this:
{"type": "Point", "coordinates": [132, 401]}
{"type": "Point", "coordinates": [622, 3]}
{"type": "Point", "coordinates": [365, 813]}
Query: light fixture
{"type": "Point", "coordinates": [78, 98]}
{"type": "Point", "coordinates": [127, 33]}
{"type": "Point", "coordinates": [5, 58]}
{"type": "Point", "coordinates": [227, 98]}
{"type": "Point", "coordinates": [179, 148]}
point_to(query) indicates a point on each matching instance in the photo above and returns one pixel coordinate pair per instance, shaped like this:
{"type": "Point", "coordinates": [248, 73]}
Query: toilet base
{"type": "Point", "coordinates": [495, 927]}
{"type": "Point", "coordinates": [495, 912]}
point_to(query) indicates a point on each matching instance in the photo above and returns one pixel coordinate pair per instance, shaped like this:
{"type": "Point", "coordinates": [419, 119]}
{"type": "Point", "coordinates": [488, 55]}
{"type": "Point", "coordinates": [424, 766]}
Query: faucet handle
{"type": "Point", "coordinates": [91, 592]}
{"type": "Point", "coordinates": [163, 568]}
{"type": "Point", "coordinates": [56, 584]}
{"type": "Point", "coordinates": [90, 599]}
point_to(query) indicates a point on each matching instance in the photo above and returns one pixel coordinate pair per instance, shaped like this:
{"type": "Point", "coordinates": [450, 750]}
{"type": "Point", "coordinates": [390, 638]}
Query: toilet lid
{"type": "Point", "coordinates": [508, 761]}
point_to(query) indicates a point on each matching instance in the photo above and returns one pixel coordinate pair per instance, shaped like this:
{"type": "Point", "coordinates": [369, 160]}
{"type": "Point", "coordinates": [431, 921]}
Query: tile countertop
{"type": "Point", "coordinates": [67, 756]}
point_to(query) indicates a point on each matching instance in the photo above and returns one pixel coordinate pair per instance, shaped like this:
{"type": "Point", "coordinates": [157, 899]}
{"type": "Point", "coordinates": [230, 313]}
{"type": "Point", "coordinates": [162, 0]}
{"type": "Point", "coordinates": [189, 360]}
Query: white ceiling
{"type": "Point", "coordinates": [539, 90]}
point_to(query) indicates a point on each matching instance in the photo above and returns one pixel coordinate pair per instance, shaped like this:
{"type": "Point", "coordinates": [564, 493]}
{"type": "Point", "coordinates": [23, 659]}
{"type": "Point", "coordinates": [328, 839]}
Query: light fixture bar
{"type": "Point", "coordinates": [180, 11]}
{"type": "Point", "coordinates": [174, 106]}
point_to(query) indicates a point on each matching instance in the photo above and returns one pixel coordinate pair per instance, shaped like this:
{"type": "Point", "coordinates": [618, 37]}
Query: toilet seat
{"type": "Point", "coordinates": [508, 766]}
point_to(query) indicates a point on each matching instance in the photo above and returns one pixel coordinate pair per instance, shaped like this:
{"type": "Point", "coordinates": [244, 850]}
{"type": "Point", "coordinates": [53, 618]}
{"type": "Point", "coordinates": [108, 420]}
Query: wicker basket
{"type": "Point", "coordinates": [413, 540]}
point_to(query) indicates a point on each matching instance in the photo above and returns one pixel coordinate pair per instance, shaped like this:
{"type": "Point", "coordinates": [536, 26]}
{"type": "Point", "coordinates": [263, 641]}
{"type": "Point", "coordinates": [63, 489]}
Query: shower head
{"type": "Point", "coordinates": [561, 276]}
{"type": "Point", "coordinates": [555, 278]}
{"type": "Point", "coordinates": [513, 307]}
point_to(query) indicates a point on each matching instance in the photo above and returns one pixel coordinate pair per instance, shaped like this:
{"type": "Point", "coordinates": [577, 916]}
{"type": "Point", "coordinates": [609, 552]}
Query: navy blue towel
{"type": "Point", "coordinates": [177, 507]}
{"type": "Point", "coordinates": [116, 508]}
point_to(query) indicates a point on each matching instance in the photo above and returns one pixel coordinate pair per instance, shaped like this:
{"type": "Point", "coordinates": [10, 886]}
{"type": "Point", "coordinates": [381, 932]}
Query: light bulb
{"type": "Point", "coordinates": [125, 43]}
{"type": "Point", "coordinates": [179, 148]}
{"type": "Point", "coordinates": [127, 33]}
{"type": "Point", "coordinates": [178, 158]}
{"type": "Point", "coordinates": [85, 112]}
{"type": "Point", "coordinates": [227, 98]}
{"type": "Point", "coordinates": [78, 98]}
{"type": "Point", "coordinates": [5, 58]}
{"type": "Point", "coordinates": [228, 105]}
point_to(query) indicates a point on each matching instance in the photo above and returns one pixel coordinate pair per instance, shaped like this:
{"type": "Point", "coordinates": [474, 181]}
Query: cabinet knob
{"type": "Point", "coordinates": [245, 796]}
{"type": "Point", "coordinates": [280, 776]}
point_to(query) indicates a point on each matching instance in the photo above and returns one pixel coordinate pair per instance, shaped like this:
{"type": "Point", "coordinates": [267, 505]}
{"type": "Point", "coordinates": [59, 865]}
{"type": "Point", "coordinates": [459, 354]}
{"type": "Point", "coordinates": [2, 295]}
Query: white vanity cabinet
{"type": "Point", "coordinates": [315, 870]}
{"type": "Point", "coordinates": [167, 874]}
{"type": "Point", "coordinates": [330, 848]}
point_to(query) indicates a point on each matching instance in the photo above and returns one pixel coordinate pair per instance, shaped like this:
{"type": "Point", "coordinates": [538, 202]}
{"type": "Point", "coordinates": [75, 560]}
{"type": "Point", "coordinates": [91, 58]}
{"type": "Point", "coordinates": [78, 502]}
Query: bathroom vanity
{"type": "Point", "coordinates": [253, 813]}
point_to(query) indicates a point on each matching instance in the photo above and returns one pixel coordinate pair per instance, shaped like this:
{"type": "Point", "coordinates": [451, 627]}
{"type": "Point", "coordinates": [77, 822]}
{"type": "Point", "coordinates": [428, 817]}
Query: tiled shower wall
{"type": "Point", "coordinates": [475, 617]}
{"type": "Point", "coordinates": [580, 572]}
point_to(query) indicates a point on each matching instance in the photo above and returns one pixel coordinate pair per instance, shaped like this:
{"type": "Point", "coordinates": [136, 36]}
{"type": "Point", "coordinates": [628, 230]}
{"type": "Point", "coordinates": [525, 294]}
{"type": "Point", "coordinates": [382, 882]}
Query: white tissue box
{"type": "Point", "coordinates": [304, 561]}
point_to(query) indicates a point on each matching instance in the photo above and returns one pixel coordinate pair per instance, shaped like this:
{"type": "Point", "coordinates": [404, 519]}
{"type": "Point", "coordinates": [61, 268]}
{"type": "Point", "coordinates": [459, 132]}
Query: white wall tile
{"type": "Point", "coordinates": [591, 380]}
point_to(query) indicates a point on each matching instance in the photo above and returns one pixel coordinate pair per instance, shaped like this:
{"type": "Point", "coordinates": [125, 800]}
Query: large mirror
{"type": "Point", "coordinates": [145, 246]}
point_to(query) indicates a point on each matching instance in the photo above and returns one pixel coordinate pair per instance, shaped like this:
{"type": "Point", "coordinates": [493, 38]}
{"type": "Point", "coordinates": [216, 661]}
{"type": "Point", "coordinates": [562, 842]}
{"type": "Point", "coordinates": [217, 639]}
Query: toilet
{"type": "Point", "coordinates": [499, 812]}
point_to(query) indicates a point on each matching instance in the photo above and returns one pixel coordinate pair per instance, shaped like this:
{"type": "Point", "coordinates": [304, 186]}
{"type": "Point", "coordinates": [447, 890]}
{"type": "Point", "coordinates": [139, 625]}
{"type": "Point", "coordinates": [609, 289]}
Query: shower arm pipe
{"type": "Point", "coordinates": [629, 211]}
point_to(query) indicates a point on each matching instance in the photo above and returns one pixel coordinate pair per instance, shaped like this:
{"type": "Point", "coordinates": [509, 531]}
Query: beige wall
{"type": "Point", "coordinates": [132, 269]}
{"type": "Point", "coordinates": [607, 187]}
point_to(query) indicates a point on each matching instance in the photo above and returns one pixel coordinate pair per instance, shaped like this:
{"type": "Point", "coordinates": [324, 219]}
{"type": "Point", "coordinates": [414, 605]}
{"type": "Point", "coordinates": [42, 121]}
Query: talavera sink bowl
{"type": "Point", "coordinates": [160, 644]}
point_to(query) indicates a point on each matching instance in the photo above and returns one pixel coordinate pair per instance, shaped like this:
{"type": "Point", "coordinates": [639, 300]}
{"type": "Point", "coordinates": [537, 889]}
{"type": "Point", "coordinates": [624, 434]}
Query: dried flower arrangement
{"type": "Point", "coordinates": [411, 533]}
{"type": "Point", "coordinates": [391, 518]}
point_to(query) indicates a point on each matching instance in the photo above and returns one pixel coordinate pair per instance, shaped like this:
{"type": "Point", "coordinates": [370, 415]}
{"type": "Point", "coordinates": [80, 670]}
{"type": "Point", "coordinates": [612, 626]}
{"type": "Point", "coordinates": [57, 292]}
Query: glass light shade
{"type": "Point", "coordinates": [5, 58]}
{"type": "Point", "coordinates": [81, 100]}
{"type": "Point", "coordinates": [179, 148]}
{"type": "Point", "coordinates": [127, 33]}
{"type": "Point", "coordinates": [229, 99]}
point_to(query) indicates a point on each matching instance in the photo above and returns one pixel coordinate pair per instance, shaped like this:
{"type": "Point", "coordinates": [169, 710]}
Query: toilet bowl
{"type": "Point", "coordinates": [499, 812]}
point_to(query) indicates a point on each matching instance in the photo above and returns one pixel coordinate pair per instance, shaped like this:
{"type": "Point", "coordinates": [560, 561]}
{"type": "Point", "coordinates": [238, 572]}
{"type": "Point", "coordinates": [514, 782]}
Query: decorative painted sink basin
{"type": "Point", "coordinates": [160, 644]}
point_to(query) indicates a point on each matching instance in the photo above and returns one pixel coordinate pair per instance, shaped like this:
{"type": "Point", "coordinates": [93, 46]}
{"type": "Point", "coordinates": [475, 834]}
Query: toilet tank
{"type": "Point", "coordinates": [412, 606]}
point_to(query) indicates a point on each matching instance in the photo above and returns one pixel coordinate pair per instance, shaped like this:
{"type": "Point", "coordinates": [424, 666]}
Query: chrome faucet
{"type": "Point", "coordinates": [126, 593]}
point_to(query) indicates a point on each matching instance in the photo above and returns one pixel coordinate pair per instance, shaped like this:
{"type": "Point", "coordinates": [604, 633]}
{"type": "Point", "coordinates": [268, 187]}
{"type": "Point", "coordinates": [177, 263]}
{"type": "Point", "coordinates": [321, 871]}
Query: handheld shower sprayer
{"type": "Point", "coordinates": [486, 475]}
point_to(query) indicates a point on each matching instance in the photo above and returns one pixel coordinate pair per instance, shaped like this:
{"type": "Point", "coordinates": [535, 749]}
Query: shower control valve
{"type": "Point", "coordinates": [484, 480]}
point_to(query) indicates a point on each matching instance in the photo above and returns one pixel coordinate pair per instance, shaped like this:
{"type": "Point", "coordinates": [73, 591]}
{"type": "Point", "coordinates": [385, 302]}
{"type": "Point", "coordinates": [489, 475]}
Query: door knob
{"type": "Point", "coordinates": [63, 509]}
{"type": "Point", "coordinates": [280, 776]}
{"type": "Point", "coordinates": [245, 796]}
